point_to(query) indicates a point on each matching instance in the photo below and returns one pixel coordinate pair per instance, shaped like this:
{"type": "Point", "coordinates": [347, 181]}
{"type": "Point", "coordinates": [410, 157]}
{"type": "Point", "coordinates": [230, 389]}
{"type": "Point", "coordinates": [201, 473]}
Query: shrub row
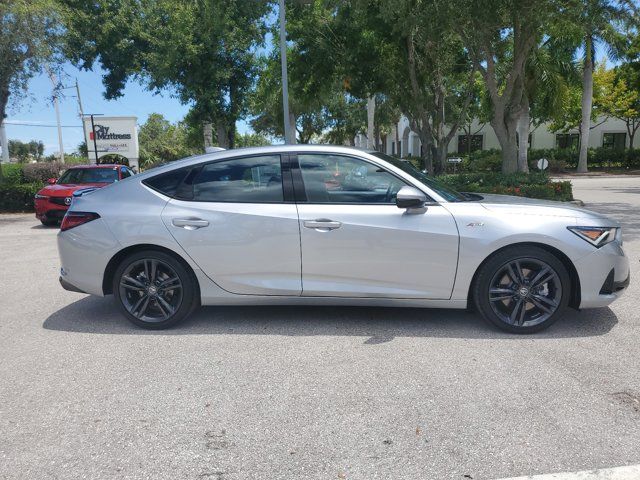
{"type": "Point", "coordinates": [18, 198]}
{"type": "Point", "coordinates": [19, 173]}
{"type": "Point", "coordinates": [533, 185]}
{"type": "Point", "coordinates": [560, 160]}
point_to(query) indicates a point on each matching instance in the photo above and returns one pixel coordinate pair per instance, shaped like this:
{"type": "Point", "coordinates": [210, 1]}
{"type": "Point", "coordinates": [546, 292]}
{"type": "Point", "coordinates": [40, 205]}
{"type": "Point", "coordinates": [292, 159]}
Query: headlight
{"type": "Point", "coordinates": [596, 236]}
{"type": "Point", "coordinates": [40, 197]}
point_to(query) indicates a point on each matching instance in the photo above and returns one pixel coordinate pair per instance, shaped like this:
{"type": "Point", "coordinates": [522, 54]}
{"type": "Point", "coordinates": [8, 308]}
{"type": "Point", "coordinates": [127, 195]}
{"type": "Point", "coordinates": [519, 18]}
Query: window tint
{"type": "Point", "coordinates": [89, 175]}
{"type": "Point", "coordinates": [167, 183]}
{"type": "Point", "coordinates": [341, 179]}
{"type": "Point", "coordinates": [242, 180]}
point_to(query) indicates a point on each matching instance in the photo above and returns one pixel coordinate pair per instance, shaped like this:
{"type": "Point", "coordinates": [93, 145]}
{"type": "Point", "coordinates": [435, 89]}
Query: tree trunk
{"type": "Point", "coordinates": [294, 128]}
{"type": "Point", "coordinates": [506, 134]}
{"type": "Point", "coordinates": [523, 136]}
{"type": "Point", "coordinates": [587, 101]}
{"type": "Point", "coordinates": [207, 130]}
{"type": "Point", "coordinates": [221, 133]}
{"type": "Point", "coordinates": [371, 115]}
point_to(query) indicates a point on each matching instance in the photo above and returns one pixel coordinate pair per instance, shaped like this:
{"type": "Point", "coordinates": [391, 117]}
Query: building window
{"type": "Point", "coordinates": [567, 140]}
{"type": "Point", "coordinates": [474, 140]}
{"type": "Point", "coordinates": [614, 141]}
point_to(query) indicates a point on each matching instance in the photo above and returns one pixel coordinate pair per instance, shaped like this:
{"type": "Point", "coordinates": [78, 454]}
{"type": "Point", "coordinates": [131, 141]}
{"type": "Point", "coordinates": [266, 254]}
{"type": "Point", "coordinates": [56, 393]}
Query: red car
{"type": "Point", "coordinates": [53, 200]}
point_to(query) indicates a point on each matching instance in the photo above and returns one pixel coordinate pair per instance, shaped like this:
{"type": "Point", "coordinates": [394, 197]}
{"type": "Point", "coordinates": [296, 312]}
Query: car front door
{"type": "Point", "coordinates": [231, 218]}
{"type": "Point", "coordinates": [357, 243]}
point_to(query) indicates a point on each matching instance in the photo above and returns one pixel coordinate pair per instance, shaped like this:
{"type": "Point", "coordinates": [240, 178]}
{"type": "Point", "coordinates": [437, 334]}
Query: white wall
{"type": "Point", "coordinates": [541, 137]}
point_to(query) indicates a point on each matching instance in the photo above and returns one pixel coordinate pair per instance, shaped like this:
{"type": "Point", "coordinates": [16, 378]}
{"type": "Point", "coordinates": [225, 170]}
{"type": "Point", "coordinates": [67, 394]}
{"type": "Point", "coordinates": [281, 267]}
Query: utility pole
{"type": "Point", "coordinates": [289, 133]}
{"type": "Point", "coordinates": [4, 143]}
{"type": "Point", "coordinates": [84, 131]}
{"type": "Point", "coordinates": [57, 109]}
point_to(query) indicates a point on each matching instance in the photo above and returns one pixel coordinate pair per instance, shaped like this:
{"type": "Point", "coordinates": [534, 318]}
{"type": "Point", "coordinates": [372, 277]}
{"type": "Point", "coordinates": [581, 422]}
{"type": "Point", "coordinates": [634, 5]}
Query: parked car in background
{"type": "Point", "coordinates": [324, 225]}
{"type": "Point", "coordinates": [53, 201]}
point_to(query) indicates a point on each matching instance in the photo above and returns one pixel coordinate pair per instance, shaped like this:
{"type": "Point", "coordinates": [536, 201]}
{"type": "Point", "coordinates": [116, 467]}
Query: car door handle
{"type": "Point", "coordinates": [190, 223]}
{"type": "Point", "coordinates": [322, 224]}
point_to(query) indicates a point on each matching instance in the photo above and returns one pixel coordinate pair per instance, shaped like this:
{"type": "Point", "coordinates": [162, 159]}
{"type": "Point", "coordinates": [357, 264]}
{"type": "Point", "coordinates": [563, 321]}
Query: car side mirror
{"type": "Point", "coordinates": [410, 197]}
{"type": "Point", "coordinates": [52, 181]}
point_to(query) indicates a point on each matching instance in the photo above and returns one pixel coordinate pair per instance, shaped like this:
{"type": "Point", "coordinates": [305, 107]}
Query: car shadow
{"type": "Point", "coordinates": [379, 325]}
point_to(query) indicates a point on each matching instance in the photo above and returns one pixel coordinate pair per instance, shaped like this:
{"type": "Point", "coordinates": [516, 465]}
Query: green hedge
{"type": "Point", "coordinates": [533, 185]}
{"type": "Point", "coordinates": [560, 160]}
{"type": "Point", "coordinates": [18, 198]}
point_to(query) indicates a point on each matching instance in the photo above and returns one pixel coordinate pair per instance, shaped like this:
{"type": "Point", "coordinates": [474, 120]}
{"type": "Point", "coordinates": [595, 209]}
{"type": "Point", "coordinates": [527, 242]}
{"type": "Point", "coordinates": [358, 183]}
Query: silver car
{"type": "Point", "coordinates": [325, 225]}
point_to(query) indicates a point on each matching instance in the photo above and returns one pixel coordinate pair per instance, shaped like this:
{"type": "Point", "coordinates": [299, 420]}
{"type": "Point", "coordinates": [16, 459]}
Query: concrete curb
{"type": "Point", "coordinates": [631, 472]}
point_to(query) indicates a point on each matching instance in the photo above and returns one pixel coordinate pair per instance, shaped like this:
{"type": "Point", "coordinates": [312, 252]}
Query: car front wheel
{"type": "Point", "coordinates": [522, 289]}
{"type": "Point", "coordinates": [154, 290]}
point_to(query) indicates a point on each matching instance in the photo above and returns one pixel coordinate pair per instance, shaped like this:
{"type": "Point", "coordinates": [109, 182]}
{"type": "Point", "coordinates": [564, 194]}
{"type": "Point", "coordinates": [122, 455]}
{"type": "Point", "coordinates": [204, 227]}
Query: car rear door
{"type": "Point", "coordinates": [237, 220]}
{"type": "Point", "coordinates": [357, 243]}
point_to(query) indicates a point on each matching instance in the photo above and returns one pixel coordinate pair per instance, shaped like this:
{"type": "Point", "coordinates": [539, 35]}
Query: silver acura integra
{"type": "Point", "coordinates": [326, 225]}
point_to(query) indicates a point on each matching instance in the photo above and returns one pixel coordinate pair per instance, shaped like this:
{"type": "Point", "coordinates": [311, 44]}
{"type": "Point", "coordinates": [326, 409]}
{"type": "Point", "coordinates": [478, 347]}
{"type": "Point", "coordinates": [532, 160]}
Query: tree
{"type": "Point", "coordinates": [548, 73]}
{"type": "Point", "coordinates": [251, 140]}
{"type": "Point", "coordinates": [26, 151]}
{"type": "Point", "coordinates": [569, 116]}
{"type": "Point", "coordinates": [161, 141]}
{"type": "Point", "coordinates": [29, 37]}
{"type": "Point", "coordinates": [500, 36]}
{"type": "Point", "coordinates": [203, 50]}
{"type": "Point", "coordinates": [621, 98]}
{"type": "Point", "coordinates": [596, 23]}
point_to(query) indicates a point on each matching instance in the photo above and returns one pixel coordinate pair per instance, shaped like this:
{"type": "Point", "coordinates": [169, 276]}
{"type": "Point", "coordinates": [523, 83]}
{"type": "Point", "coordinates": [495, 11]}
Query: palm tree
{"type": "Point", "coordinates": [597, 22]}
{"type": "Point", "coordinates": [548, 72]}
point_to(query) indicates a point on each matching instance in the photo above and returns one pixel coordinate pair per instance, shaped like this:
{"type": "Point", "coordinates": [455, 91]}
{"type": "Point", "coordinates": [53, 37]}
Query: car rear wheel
{"type": "Point", "coordinates": [154, 290]}
{"type": "Point", "coordinates": [522, 289]}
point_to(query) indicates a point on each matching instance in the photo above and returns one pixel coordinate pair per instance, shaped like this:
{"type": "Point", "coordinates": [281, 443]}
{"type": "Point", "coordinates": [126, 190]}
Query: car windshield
{"type": "Point", "coordinates": [89, 175]}
{"type": "Point", "coordinates": [445, 192]}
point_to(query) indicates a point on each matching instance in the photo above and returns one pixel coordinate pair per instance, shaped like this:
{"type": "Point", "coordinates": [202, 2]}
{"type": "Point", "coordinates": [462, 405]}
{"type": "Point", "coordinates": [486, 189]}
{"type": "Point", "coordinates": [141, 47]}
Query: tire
{"type": "Point", "coordinates": [49, 223]}
{"type": "Point", "coordinates": [520, 276]}
{"type": "Point", "coordinates": [155, 290]}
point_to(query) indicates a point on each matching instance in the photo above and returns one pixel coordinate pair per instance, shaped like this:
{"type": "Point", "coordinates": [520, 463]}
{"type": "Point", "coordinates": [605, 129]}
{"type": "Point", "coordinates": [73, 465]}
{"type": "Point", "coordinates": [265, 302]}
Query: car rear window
{"type": "Point", "coordinates": [167, 183]}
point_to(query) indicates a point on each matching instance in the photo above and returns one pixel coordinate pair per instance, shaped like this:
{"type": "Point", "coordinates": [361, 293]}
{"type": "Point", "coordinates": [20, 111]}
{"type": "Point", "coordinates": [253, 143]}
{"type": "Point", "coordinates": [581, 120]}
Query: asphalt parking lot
{"type": "Point", "coordinates": [310, 393]}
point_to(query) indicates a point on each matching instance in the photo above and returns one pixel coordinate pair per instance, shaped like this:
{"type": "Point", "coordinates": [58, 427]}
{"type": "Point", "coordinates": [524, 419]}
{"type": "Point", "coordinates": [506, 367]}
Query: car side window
{"type": "Point", "coordinates": [342, 179]}
{"type": "Point", "coordinates": [124, 173]}
{"type": "Point", "coordinates": [242, 180]}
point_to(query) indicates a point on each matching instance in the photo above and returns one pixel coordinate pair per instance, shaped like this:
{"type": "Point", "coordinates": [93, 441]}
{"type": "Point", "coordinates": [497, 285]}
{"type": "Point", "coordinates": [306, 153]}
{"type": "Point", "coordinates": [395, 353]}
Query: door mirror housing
{"type": "Point", "coordinates": [52, 181]}
{"type": "Point", "coordinates": [410, 197]}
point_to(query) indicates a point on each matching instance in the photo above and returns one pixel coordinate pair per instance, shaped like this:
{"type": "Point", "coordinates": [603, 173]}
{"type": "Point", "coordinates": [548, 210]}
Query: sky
{"type": "Point", "coordinates": [34, 118]}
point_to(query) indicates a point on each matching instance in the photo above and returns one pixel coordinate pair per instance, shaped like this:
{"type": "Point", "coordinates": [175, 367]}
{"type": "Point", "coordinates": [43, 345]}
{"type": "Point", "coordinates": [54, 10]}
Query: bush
{"type": "Point", "coordinates": [12, 174]}
{"type": "Point", "coordinates": [18, 198]}
{"type": "Point", "coordinates": [532, 185]}
{"type": "Point", "coordinates": [41, 172]}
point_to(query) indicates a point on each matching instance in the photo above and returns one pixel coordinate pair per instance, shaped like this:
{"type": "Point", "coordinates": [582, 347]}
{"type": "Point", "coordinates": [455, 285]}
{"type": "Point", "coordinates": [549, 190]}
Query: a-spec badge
{"type": "Point", "coordinates": [475, 224]}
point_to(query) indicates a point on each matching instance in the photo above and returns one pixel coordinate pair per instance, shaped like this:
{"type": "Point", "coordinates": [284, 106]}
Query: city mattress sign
{"type": "Point", "coordinates": [112, 135]}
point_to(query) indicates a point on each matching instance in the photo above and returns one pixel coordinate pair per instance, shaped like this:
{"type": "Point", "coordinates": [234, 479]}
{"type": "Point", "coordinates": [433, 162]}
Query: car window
{"type": "Point", "coordinates": [125, 172]}
{"type": "Point", "coordinates": [343, 179]}
{"type": "Point", "coordinates": [167, 183]}
{"type": "Point", "coordinates": [242, 180]}
{"type": "Point", "coordinates": [89, 175]}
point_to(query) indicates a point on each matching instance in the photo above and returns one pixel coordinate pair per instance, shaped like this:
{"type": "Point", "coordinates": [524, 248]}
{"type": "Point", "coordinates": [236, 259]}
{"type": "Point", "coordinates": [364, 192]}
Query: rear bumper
{"type": "Point", "coordinates": [68, 286]}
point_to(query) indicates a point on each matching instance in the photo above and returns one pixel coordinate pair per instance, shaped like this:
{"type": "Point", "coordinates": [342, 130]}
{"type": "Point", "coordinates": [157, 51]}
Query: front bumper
{"type": "Point", "coordinates": [604, 276]}
{"type": "Point", "coordinates": [48, 210]}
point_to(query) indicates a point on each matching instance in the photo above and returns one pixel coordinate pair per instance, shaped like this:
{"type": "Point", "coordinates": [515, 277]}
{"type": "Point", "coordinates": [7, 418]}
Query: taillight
{"type": "Point", "coordinates": [73, 219]}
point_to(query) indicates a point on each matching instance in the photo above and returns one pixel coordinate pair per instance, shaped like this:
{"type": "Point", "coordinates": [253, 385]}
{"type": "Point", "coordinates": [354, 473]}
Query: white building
{"type": "Point", "coordinates": [610, 133]}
